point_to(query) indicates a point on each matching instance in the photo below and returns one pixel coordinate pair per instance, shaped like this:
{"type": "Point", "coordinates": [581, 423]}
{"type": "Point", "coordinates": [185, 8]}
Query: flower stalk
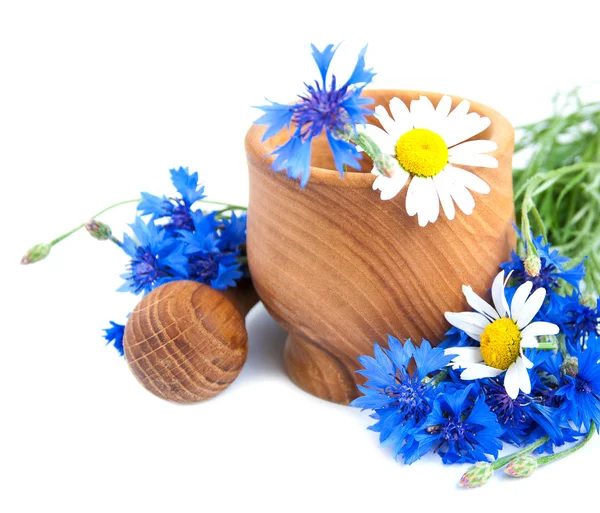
{"type": "Point", "coordinates": [383, 163]}
{"type": "Point", "coordinates": [545, 460]}
{"type": "Point", "coordinates": [521, 467]}
{"type": "Point", "coordinates": [101, 231]}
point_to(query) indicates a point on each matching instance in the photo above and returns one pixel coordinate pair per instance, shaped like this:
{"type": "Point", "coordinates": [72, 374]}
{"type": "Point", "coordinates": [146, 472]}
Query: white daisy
{"type": "Point", "coordinates": [428, 143]}
{"type": "Point", "coordinates": [502, 332]}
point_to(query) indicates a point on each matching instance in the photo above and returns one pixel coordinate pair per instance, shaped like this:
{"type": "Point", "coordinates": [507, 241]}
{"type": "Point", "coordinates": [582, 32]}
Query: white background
{"type": "Point", "coordinates": [97, 101]}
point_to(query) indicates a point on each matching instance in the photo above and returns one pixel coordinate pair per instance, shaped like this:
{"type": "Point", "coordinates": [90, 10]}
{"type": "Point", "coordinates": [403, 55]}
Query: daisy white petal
{"type": "Point", "coordinates": [476, 319]}
{"type": "Point", "coordinates": [401, 115]}
{"type": "Point", "coordinates": [526, 361]}
{"type": "Point", "coordinates": [390, 186]}
{"type": "Point", "coordinates": [511, 381]}
{"type": "Point", "coordinates": [465, 323]}
{"type": "Point", "coordinates": [507, 279]}
{"type": "Point", "coordinates": [465, 127]}
{"type": "Point", "coordinates": [424, 210]}
{"type": "Point", "coordinates": [540, 328]}
{"type": "Point", "coordinates": [524, 381]}
{"type": "Point", "coordinates": [478, 125]}
{"type": "Point", "coordinates": [443, 107]}
{"type": "Point", "coordinates": [465, 354]}
{"type": "Point", "coordinates": [474, 333]}
{"type": "Point", "coordinates": [498, 296]}
{"type": "Point", "coordinates": [442, 185]}
{"type": "Point", "coordinates": [529, 342]}
{"type": "Point", "coordinates": [459, 111]}
{"type": "Point", "coordinates": [413, 195]}
{"type": "Point", "coordinates": [463, 198]}
{"type": "Point", "coordinates": [479, 304]}
{"type": "Point", "coordinates": [432, 201]}
{"type": "Point", "coordinates": [531, 307]}
{"type": "Point", "coordinates": [479, 370]}
{"type": "Point", "coordinates": [479, 146]}
{"type": "Point", "coordinates": [468, 179]}
{"type": "Point", "coordinates": [519, 299]}
{"type": "Point", "coordinates": [473, 159]}
{"type": "Point", "coordinates": [422, 112]}
{"type": "Point", "coordinates": [388, 124]}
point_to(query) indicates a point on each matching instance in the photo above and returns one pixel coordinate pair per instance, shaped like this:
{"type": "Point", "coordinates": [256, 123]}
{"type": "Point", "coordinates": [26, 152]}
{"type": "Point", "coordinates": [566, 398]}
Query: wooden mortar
{"type": "Point", "coordinates": [186, 342]}
{"type": "Point", "coordinates": [339, 268]}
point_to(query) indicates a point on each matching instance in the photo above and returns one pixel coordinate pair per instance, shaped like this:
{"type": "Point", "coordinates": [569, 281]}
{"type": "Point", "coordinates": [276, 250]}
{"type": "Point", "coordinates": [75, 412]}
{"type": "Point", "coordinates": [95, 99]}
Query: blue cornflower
{"type": "Point", "coordinates": [581, 393]}
{"type": "Point", "coordinates": [511, 413]}
{"type": "Point", "coordinates": [203, 236]}
{"type": "Point", "coordinates": [207, 262]}
{"type": "Point", "coordinates": [233, 232]}
{"type": "Point", "coordinates": [401, 399]}
{"type": "Point", "coordinates": [177, 209]}
{"type": "Point", "coordinates": [219, 270]}
{"type": "Point", "coordinates": [187, 186]}
{"type": "Point", "coordinates": [461, 428]}
{"type": "Point", "coordinates": [334, 110]}
{"type": "Point", "coordinates": [552, 268]}
{"type": "Point", "coordinates": [521, 416]}
{"type": "Point", "coordinates": [156, 258]}
{"type": "Point", "coordinates": [114, 335]}
{"type": "Point", "coordinates": [577, 320]}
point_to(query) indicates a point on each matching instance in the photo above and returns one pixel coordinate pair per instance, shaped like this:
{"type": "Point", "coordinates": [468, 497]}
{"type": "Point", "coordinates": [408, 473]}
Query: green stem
{"type": "Point", "coordinates": [562, 346]}
{"type": "Point", "coordinates": [547, 346]}
{"type": "Point", "coordinates": [525, 226]}
{"type": "Point", "coordinates": [563, 454]}
{"type": "Point", "coordinates": [219, 213]}
{"type": "Point", "coordinates": [77, 228]}
{"type": "Point", "coordinates": [228, 205]}
{"type": "Point", "coordinates": [116, 241]}
{"type": "Point", "coordinates": [64, 236]}
{"type": "Point", "coordinates": [439, 377]}
{"type": "Point", "coordinates": [383, 163]}
{"type": "Point", "coordinates": [501, 462]}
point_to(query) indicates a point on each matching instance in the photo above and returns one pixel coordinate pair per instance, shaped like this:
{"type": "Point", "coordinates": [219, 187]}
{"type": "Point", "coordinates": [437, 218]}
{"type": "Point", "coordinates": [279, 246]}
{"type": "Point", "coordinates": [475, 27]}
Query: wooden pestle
{"type": "Point", "coordinates": [186, 342]}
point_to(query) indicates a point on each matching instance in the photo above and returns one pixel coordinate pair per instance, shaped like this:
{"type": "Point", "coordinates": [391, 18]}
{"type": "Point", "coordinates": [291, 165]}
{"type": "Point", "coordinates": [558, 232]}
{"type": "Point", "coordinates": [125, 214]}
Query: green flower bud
{"type": "Point", "coordinates": [98, 230]}
{"type": "Point", "coordinates": [36, 253]}
{"type": "Point", "coordinates": [477, 475]}
{"type": "Point", "coordinates": [570, 366]}
{"type": "Point", "coordinates": [532, 265]}
{"type": "Point", "coordinates": [522, 466]}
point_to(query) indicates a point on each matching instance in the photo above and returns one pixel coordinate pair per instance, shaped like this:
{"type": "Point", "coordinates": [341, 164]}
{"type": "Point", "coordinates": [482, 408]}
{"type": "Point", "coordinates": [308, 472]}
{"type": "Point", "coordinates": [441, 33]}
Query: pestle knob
{"type": "Point", "coordinates": [186, 342]}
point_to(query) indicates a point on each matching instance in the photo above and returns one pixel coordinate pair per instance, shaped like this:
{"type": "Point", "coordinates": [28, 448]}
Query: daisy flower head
{"type": "Point", "coordinates": [428, 145]}
{"type": "Point", "coordinates": [333, 109]}
{"type": "Point", "coordinates": [502, 332]}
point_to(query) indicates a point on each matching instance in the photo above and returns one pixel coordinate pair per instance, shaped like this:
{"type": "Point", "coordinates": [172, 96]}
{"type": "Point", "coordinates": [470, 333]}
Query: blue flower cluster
{"type": "Point", "coordinates": [430, 409]}
{"type": "Point", "coordinates": [334, 110]}
{"type": "Point", "coordinates": [173, 239]}
{"type": "Point", "coordinates": [417, 413]}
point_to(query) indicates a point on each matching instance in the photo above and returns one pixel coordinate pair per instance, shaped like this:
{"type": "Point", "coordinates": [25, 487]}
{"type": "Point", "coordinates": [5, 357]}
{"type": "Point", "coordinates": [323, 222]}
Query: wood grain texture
{"type": "Point", "coordinates": [186, 342]}
{"type": "Point", "coordinates": [340, 269]}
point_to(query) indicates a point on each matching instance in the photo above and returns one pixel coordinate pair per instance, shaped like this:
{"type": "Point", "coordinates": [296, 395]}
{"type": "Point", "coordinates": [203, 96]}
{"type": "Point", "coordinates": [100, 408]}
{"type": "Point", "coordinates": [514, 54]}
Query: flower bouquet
{"type": "Point", "coordinates": [381, 234]}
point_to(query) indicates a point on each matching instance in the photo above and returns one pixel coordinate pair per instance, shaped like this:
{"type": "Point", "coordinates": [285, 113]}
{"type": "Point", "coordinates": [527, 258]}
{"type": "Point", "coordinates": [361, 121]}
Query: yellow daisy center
{"type": "Point", "coordinates": [501, 343]}
{"type": "Point", "coordinates": [422, 152]}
